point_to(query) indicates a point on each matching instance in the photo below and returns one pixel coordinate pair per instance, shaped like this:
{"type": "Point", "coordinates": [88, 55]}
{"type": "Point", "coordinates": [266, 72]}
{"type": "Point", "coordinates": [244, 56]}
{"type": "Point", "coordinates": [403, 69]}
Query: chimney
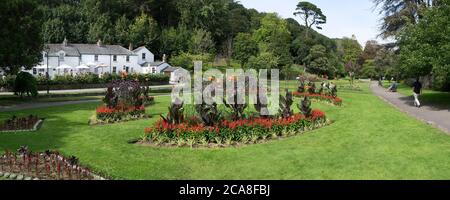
{"type": "Point", "coordinates": [99, 43]}
{"type": "Point", "coordinates": [130, 47]}
{"type": "Point", "coordinates": [164, 58]}
{"type": "Point", "coordinates": [65, 42]}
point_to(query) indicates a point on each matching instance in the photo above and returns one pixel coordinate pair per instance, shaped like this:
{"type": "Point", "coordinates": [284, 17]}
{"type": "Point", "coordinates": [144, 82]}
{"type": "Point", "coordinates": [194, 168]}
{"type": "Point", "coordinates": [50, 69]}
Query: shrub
{"type": "Point", "coordinates": [25, 83]}
{"type": "Point", "coordinates": [7, 81]}
{"type": "Point", "coordinates": [63, 79]}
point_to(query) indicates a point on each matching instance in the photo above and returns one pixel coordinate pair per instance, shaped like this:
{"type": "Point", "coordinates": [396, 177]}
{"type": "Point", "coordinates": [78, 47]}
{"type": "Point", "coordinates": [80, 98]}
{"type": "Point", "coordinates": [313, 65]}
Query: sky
{"type": "Point", "coordinates": [344, 17]}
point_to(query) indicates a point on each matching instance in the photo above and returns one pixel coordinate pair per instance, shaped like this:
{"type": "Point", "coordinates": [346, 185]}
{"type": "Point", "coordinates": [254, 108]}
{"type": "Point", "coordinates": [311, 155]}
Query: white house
{"type": "Point", "coordinates": [67, 58]}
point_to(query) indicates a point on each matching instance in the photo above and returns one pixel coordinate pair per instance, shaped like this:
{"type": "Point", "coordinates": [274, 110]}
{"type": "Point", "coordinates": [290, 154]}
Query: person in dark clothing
{"type": "Point", "coordinates": [417, 91]}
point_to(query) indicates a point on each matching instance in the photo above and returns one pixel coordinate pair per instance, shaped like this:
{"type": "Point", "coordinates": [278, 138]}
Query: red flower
{"type": "Point", "coordinates": [148, 130]}
{"type": "Point", "coordinates": [317, 114]}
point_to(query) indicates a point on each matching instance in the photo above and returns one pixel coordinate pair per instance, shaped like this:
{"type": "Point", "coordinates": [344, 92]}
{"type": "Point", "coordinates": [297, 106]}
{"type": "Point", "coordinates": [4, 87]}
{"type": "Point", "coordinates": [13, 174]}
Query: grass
{"type": "Point", "coordinates": [369, 140]}
{"type": "Point", "coordinates": [14, 100]}
{"type": "Point", "coordinates": [428, 97]}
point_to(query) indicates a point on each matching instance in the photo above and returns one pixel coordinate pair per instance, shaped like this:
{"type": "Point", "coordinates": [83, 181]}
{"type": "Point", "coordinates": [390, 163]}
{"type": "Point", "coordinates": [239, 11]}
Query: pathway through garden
{"type": "Point", "coordinates": [427, 113]}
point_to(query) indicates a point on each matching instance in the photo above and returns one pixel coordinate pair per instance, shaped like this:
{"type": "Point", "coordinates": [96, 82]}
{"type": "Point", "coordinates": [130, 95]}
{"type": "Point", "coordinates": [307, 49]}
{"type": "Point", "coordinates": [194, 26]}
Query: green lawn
{"type": "Point", "coordinates": [369, 140]}
{"type": "Point", "coordinates": [14, 100]}
{"type": "Point", "coordinates": [429, 97]}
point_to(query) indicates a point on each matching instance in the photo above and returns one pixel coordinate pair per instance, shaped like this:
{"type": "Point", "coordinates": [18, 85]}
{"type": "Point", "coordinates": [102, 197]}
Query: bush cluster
{"type": "Point", "coordinates": [88, 78]}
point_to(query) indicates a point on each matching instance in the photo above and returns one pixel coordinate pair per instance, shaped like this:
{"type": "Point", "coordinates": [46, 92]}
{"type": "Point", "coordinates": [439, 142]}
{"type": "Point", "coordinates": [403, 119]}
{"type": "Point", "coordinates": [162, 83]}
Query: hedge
{"type": "Point", "coordinates": [84, 80]}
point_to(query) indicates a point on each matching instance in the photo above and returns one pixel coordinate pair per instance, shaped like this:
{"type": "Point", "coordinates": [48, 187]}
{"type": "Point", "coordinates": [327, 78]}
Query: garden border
{"type": "Point", "coordinates": [285, 135]}
{"type": "Point", "coordinates": [21, 177]}
{"type": "Point", "coordinates": [36, 127]}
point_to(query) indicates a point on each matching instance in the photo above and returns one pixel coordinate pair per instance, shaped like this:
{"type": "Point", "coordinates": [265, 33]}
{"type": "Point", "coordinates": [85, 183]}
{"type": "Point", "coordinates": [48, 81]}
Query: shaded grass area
{"type": "Point", "coordinates": [437, 99]}
{"type": "Point", "coordinates": [368, 140]}
{"type": "Point", "coordinates": [14, 100]}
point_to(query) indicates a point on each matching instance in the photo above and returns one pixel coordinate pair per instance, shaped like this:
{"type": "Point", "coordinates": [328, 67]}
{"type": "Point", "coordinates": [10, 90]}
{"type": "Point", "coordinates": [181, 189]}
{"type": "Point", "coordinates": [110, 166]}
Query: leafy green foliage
{"type": "Point", "coordinates": [425, 46]}
{"type": "Point", "coordinates": [311, 14]}
{"type": "Point", "coordinates": [244, 48]}
{"type": "Point", "coordinates": [144, 30]}
{"type": "Point", "coordinates": [20, 35]}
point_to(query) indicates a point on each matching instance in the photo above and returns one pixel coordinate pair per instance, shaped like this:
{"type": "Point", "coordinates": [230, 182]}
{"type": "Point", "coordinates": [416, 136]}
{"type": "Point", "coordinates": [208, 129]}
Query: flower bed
{"type": "Point", "coordinates": [48, 165]}
{"type": "Point", "coordinates": [20, 124]}
{"type": "Point", "coordinates": [193, 133]}
{"type": "Point", "coordinates": [112, 115]}
{"type": "Point", "coordinates": [124, 101]}
{"type": "Point", "coordinates": [321, 97]}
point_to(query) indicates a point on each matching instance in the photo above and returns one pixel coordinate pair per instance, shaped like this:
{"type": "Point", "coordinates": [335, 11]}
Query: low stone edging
{"type": "Point", "coordinates": [19, 177]}
{"type": "Point", "coordinates": [35, 128]}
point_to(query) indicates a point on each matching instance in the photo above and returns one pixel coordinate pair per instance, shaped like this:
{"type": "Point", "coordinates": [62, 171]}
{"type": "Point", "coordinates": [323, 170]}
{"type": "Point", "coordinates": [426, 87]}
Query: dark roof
{"type": "Point", "coordinates": [77, 49]}
{"type": "Point", "coordinates": [171, 69]}
{"type": "Point", "coordinates": [158, 63]}
{"type": "Point", "coordinates": [139, 48]}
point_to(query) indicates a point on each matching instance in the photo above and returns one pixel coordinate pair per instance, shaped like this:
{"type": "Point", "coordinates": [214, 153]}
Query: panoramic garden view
{"type": "Point", "coordinates": [224, 90]}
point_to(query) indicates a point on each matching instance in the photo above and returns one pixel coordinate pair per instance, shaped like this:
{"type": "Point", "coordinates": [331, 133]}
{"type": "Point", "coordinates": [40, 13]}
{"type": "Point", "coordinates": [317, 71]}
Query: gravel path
{"type": "Point", "coordinates": [439, 118]}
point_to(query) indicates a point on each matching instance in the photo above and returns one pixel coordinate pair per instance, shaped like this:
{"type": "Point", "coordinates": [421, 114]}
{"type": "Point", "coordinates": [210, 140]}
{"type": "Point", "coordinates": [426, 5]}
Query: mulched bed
{"type": "Point", "coordinates": [48, 165]}
{"type": "Point", "coordinates": [21, 124]}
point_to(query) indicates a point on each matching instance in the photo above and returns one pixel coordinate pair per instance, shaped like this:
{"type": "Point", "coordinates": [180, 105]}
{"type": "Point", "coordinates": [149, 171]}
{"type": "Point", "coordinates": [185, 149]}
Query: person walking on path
{"type": "Point", "coordinates": [417, 91]}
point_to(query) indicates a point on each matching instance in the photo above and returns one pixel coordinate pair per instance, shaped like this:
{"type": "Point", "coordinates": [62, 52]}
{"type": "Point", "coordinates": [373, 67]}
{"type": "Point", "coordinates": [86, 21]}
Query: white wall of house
{"type": "Point", "coordinates": [111, 65]}
{"type": "Point", "coordinates": [149, 56]}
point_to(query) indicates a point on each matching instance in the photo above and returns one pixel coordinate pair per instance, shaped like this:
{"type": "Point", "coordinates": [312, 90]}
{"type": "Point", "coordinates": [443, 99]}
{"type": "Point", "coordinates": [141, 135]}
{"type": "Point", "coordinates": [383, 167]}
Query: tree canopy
{"type": "Point", "coordinates": [20, 35]}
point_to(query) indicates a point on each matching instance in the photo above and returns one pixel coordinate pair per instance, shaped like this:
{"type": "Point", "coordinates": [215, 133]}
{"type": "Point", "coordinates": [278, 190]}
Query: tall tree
{"type": "Point", "coordinates": [202, 42]}
{"type": "Point", "coordinates": [244, 48]}
{"type": "Point", "coordinates": [20, 35]}
{"type": "Point", "coordinates": [121, 30]}
{"type": "Point", "coordinates": [101, 29]}
{"type": "Point", "coordinates": [144, 30]}
{"type": "Point", "coordinates": [310, 14]}
{"type": "Point", "coordinates": [318, 61]}
{"type": "Point", "coordinates": [424, 47]}
{"type": "Point", "coordinates": [399, 13]}
{"type": "Point", "coordinates": [273, 36]}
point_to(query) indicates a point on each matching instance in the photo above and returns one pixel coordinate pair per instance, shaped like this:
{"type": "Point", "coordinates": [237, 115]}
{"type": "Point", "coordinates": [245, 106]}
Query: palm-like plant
{"type": "Point", "coordinates": [285, 105]}
{"type": "Point", "coordinates": [305, 107]}
{"type": "Point", "coordinates": [176, 114]}
{"type": "Point", "coordinates": [209, 113]}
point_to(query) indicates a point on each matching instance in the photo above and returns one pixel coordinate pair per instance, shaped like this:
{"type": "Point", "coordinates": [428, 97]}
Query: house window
{"type": "Point", "coordinates": [34, 71]}
{"type": "Point", "coordinates": [153, 70]}
{"type": "Point", "coordinates": [115, 58]}
{"type": "Point", "coordinates": [114, 70]}
{"type": "Point", "coordinates": [61, 56]}
{"type": "Point", "coordinates": [96, 57]}
{"type": "Point", "coordinates": [127, 69]}
{"type": "Point", "coordinates": [128, 58]}
{"type": "Point", "coordinates": [143, 56]}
